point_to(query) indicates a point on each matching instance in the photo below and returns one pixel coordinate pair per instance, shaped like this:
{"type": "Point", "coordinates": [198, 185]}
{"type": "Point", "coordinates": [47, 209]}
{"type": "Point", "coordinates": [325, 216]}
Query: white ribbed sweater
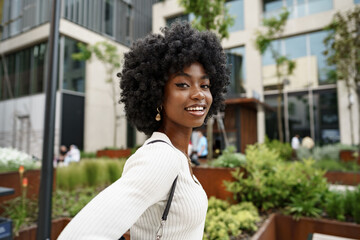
{"type": "Point", "coordinates": [137, 200]}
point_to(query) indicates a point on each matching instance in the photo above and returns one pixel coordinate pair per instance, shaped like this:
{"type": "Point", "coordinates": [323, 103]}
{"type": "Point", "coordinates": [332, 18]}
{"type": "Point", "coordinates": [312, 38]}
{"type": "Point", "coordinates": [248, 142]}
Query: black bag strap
{"type": "Point", "coordinates": [168, 203]}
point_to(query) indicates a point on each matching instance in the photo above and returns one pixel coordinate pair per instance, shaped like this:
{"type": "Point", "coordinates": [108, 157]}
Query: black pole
{"type": "Point", "coordinates": [46, 181]}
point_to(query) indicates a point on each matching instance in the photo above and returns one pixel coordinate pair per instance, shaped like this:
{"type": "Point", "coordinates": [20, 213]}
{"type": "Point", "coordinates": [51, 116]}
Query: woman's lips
{"type": "Point", "coordinates": [196, 111]}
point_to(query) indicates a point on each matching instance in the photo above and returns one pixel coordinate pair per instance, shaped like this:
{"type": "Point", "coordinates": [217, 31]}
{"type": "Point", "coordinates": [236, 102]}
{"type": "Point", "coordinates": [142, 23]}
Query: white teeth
{"type": "Point", "coordinates": [195, 108]}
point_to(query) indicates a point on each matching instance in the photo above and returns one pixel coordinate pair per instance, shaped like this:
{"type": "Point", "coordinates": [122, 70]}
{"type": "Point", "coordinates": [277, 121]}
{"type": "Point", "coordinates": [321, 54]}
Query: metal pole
{"type": "Point", "coordinates": [46, 181]}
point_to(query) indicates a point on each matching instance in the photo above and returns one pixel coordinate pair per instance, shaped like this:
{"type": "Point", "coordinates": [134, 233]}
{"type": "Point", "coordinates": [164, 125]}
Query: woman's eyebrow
{"type": "Point", "coordinates": [188, 75]}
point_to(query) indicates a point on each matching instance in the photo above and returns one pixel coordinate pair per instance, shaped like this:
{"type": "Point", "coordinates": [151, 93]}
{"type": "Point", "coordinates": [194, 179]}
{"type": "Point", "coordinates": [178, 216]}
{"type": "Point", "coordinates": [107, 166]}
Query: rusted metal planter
{"type": "Point", "coordinates": [212, 178]}
{"type": "Point", "coordinates": [12, 180]}
{"type": "Point", "coordinates": [344, 178]}
{"type": "Point", "coordinates": [57, 226]}
{"type": "Point", "coordinates": [112, 153]}
{"type": "Point", "coordinates": [280, 227]}
{"type": "Point", "coordinates": [348, 155]}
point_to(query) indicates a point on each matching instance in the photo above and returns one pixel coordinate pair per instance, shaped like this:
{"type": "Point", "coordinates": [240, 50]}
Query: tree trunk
{"type": "Point", "coordinates": [115, 113]}
{"type": "Point", "coordinates": [279, 110]}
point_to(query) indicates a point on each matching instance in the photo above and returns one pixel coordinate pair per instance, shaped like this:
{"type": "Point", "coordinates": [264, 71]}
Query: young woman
{"type": "Point", "coordinates": [170, 84]}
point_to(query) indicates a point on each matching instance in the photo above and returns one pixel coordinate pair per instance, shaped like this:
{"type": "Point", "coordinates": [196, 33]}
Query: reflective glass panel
{"type": "Point", "coordinates": [295, 46]}
{"type": "Point", "coordinates": [267, 57]}
{"type": "Point", "coordinates": [317, 48]}
{"type": "Point", "coordinates": [316, 6]}
{"type": "Point", "coordinates": [236, 9]}
{"type": "Point", "coordinates": [236, 61]}
{"type": "Point", "coordinates": [272, 5]}
{"type": "Point", "coordinates": [109, 17]}
{"type": "Point", "coordinates": [74, 71]}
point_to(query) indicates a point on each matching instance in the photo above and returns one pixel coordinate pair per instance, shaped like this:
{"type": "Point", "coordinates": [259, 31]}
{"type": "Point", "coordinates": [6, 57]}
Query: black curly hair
{"type": "Point", "coordinates": [151, 61]}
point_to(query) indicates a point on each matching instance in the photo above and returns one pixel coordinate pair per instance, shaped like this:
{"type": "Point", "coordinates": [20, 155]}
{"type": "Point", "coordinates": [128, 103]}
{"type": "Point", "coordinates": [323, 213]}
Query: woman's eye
{"type": "Point", "coordinates": [182, 85]}
{"type": "Point", "coordinates": [206, 86]}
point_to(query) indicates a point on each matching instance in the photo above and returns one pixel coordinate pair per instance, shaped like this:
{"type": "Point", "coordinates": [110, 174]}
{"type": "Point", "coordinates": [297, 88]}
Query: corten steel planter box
{"type": "Point", "coordinates": [212, 178]}
{"type": "Point", "coordinates": [280, 227]}
{"type": "Point", "coordinates": [57, 226]}
{"type": "Point", "coordinates": [344, 178]}
{"type": "Point", "coordinates": [12, 180]}
{"type": "Point", "coordinates": [123, 153]}
{"type": "Point", "coordinates": [348, 155]}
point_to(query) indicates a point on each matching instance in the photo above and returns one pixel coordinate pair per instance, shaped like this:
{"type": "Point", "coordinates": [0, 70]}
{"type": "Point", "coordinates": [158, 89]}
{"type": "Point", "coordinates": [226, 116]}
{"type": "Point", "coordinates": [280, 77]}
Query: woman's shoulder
{"type": "Point", "coordinates": [157, 150]}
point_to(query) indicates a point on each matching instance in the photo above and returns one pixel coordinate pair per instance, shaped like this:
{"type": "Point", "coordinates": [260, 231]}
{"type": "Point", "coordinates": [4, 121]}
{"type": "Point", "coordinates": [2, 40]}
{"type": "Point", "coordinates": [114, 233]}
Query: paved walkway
{"type": "Point", "coordinates": [342, 188]}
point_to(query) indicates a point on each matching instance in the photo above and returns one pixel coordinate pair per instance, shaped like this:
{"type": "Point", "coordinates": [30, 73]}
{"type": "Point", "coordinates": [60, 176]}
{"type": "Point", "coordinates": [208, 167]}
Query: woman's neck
{"type": "Point", "coordinates": [180, 139]}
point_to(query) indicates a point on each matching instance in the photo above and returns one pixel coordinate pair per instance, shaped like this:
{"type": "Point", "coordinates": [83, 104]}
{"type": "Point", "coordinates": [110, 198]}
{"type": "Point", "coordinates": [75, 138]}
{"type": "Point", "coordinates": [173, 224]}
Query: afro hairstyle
{"type": "Point", "coordinates": [151, 60]}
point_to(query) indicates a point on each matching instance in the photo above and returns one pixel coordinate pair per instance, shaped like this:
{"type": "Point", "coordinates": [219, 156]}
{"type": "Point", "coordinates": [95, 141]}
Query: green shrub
{"type": "Point", "coordinates": [115, 169]}
{"type": "Point", "coordinates": [334, 165]}
{"type": "Point", "coordinates": [87, 155]}
{"type": "Point", "coordinates": [284, 149]}
{"type": "Point", "coordinates": [229, 158]}
{"type": "Point", "coordinates": [225, 221]}
{"type": "Point", "coordinates": [274, 183]}
{"type": "Point", "coordinates": [330, 151]}
{"type": "Point", "coordinates": [21, 212]}
{"type": "Point", "coordinates": [352, 206]}
{"type": "Point", "coordinates": [89, 172]}
{"type": "Point", "coordinates": [335, 205]}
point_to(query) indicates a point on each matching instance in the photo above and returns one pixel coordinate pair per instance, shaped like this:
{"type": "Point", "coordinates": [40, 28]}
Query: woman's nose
{"type": "Point", "coordinates": [197, 94]}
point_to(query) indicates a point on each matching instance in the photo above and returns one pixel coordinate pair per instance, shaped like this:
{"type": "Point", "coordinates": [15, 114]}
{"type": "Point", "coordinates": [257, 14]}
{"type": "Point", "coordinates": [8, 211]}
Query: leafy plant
{"type": "Point", "coordinates": [284, 149]}
{"type": "Point", "coordinates": [230, 158]}
{"type": "Point", "coordinates": [330, 151]}
{"type": "Point", "coordinates": [335, 205]}
{"type": "Point", "coordinates": [21, 212]}
{"type": "Point", "coordinates": [225, 221]}
{"type": "Point", "coordinates": [273, 183]}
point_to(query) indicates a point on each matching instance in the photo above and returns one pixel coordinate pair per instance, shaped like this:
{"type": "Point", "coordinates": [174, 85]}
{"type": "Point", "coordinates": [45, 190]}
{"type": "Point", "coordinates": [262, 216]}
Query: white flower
{"type": "Point", "coordinates": [13, 158]}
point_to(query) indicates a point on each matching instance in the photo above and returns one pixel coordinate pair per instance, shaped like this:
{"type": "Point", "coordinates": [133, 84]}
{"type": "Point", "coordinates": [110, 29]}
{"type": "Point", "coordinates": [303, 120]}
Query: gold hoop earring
{"type": "Point", "coordinates": [158, 116]}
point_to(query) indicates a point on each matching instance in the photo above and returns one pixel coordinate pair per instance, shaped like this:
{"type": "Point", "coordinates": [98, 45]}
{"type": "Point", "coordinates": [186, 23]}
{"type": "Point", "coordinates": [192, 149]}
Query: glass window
{"type": "Point", "coordinates": [271, 117]}
{"type": "Point", "coordinates": [38, 72]}
{"type": "Point", "coordinates": [272, 5]}
{"type": "Point", "coordinates": [295, 46]}
{"type": "Point", "coordinates": [236, 9]}
{"type": "Point", "coordinates": [299, 116]}
{"type": "Point", "coordinates": [316, 6]}
{"type": "Point", "coordinates": [109, 17]}
{"type": "Point", "coordinates": [74, 71]}
{"type": "Point", "coordinates": [267, 57]}
{"type": "Point", "coordinates": [15, 16]}
{"type": "Point", "coordinates": [326, 117]}
{"type": "Point", "coordinates": [316, 49]}
{"type": "Point", "coordinates": [297, 8]}
{"type": "Point", "coordinates": [236, 61]}
{"type": "Point", "coordinates": [183, 17]}
{"type": "Point", "coordinates": [24, 72]}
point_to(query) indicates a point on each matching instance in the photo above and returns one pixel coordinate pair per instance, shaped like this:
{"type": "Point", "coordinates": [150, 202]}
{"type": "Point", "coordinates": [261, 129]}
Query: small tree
{"type": "Point", "coordinates": [108, 55]}
{"type": "Point", "coordinates": [284, 66]}
{"type": "Point", "coordinates": [210, 15]}
{"type": "Point", "coordinates": [343, 50]}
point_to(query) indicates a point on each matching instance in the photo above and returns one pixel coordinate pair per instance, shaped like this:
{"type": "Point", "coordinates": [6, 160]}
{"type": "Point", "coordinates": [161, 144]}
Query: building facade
{"type": "Point", "coordinates": [84, 114]}
{"type": "Point", "coordinates": [314, 104]}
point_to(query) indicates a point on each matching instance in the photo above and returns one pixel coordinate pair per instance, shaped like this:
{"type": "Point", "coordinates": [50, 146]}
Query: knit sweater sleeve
{"type": "Point", "coordinates": [147, 179]}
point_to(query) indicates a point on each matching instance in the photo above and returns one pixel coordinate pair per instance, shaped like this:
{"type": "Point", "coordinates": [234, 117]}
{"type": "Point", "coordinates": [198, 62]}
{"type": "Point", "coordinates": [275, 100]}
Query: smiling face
{"type": "Point", "coordinates": [187, 99]}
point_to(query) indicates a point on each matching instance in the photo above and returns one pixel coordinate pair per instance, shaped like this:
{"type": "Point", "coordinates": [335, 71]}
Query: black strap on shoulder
{"type": "Point", "coordinates": [168, 204]}
{"type": "Point", "coordinates": [172, 190]}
